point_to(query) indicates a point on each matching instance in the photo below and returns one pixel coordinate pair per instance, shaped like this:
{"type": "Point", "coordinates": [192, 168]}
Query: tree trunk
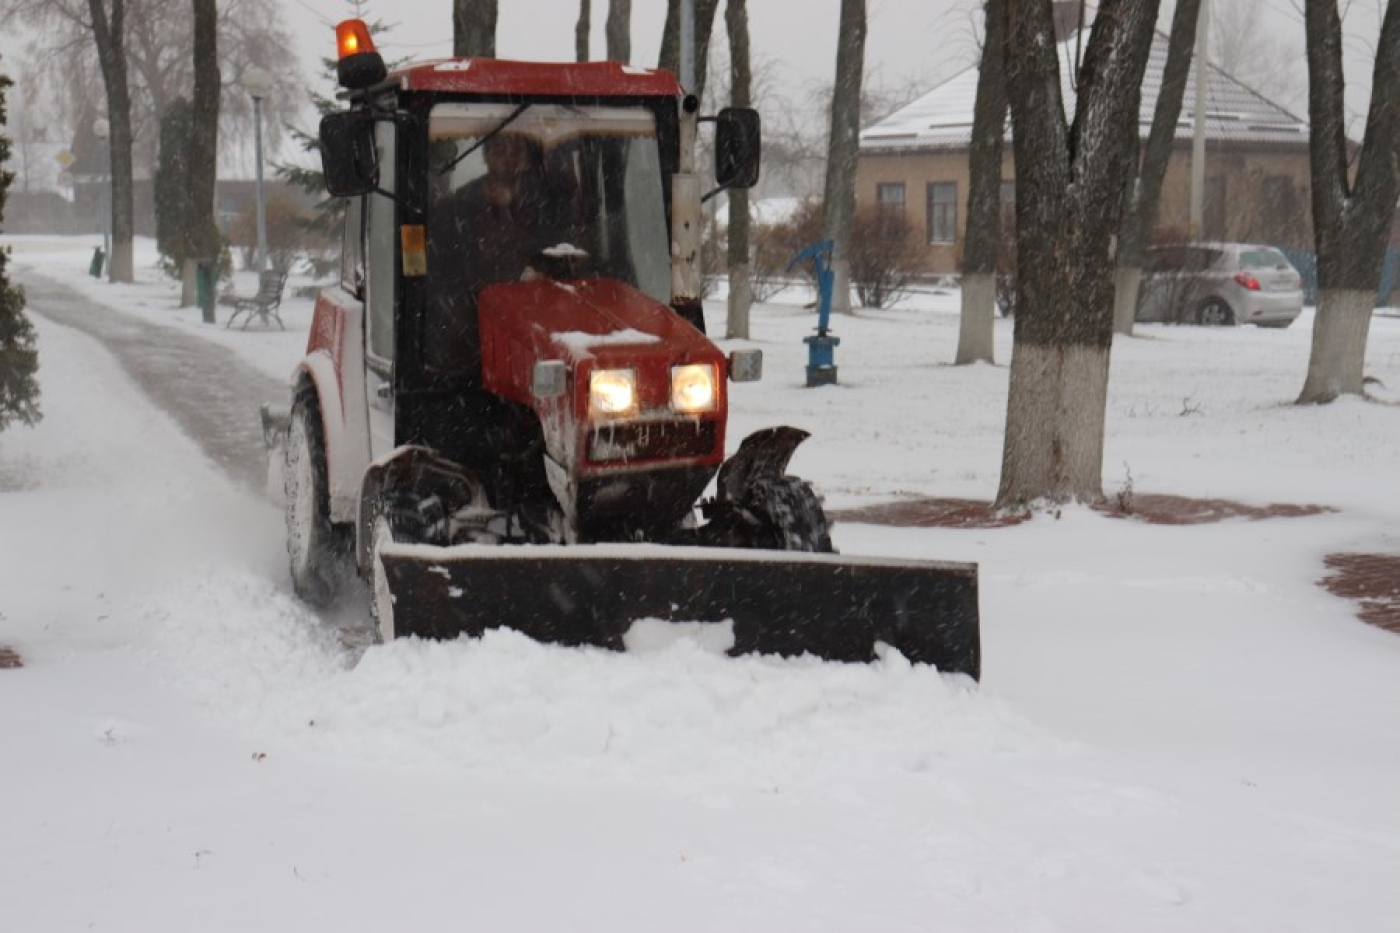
{"type": "Point", "coordinates": [843, 145]}
{"type": "Point", "coordinates": [670, 59]}
{"type": "Point", "coordinates": [1351, 221]}
{"type": "Point", "coordinates": [979, 264]}
{"type": "Point", "coordinates": [1143, 197]}
{"type": "Point", "coordinates": [619, 30]}
{"type": "Point", "coordinates": [201, 231]}
{"type": "Point", "coordinates": [108, 32]}
{"type": "Point", "coordinates": [736, 19]}
{"type": "Point", "coordinates": [581, 30]}
{"type": "Point", "coordinates": [474, 28]}
{"type": "Point", "coordinates": [1069, 197]}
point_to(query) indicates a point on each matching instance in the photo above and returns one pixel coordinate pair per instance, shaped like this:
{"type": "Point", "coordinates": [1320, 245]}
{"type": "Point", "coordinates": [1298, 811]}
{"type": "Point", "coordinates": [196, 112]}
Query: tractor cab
{"type": "Point", "coordinates": [512, 227]}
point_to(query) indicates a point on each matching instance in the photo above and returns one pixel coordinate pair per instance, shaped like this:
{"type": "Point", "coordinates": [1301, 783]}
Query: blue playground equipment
{"type": "Point", "coordinates": [821, 347]}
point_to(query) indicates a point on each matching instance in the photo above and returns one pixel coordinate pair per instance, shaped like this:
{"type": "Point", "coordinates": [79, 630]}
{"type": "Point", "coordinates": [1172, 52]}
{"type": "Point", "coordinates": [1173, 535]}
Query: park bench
{"type": "Point", "coordinates": [263, 305]}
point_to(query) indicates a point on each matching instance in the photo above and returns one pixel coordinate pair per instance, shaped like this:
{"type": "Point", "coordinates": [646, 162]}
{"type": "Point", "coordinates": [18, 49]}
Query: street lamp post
{"type": "Point", "coordinates": [258, 84]}
{"type": "Point", "coordinates": [102, 129]}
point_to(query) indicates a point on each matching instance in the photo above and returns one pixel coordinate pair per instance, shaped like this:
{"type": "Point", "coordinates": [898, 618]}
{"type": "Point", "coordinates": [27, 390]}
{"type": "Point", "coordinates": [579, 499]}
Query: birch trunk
{"type": "Point", "coordinates": [619, 30]}
{"type": "Point", "coordinates": [1069, 199]}
{"type": "Point", "coordinates": [736, 20]}
{"type": "Point", "coordinates": [474, 28]}
{"type": "Point", "coordinates": [984, 195]}
{"type": "Point", "coordinates": [109, 32]}
{"type": "Point", "coordinates": [839, 201]}
{"type": "Point", "coordinates": [1351, 219]}
{"type": "Point", "coordinates": [1143, 197]}
{"type": "Point", "coordinates": [202, 240]}
{"type": "Point", "coordinates": [976, 325]}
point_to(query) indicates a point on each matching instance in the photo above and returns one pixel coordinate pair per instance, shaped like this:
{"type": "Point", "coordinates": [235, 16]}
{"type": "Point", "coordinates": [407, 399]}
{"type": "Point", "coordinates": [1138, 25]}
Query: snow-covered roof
{"type": "Point", "coordinates": [942, 118]}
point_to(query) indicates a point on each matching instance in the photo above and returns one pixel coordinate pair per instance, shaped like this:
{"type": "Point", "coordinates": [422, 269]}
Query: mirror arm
{"type": "Point", "coordinates": [706, 197]}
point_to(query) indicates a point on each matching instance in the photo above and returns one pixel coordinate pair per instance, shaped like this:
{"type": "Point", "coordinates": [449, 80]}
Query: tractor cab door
{"type": "Point", "coordinates": [381, 289]}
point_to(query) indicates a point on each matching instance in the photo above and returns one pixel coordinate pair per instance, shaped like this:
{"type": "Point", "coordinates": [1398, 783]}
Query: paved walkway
{"type": "Point", "coordinates": [212, 394]}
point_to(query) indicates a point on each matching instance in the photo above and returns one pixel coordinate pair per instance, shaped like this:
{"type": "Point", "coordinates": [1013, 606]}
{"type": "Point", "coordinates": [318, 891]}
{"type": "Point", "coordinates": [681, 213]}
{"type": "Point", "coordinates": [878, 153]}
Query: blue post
{"type": "Point", "coordinates": [821, 356]}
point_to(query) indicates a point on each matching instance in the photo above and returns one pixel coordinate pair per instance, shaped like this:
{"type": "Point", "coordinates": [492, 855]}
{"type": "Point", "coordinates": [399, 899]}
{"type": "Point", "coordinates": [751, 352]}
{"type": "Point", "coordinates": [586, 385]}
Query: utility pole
{"type": "Point", "coordinates": [258, 84]}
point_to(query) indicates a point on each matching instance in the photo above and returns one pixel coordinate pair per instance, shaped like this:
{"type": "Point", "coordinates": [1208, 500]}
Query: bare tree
{"type": "Point", "coordinates": [109, 30]}
{"type": "Point", "coordinates": [581, 30]}
{"type": "Point", "coordinates": [201, 232]}
{"type": "Point", "coordinates": [474, 28]}
{"type": "Point", "coordinates": [736, 19]}
{"type": "Point", "coordinates": [979, 263]}
{"type": "Point", "coordinates": [619, 30]}
{"type": "Point", "coordinates": [1069, 185]}
{"type": "Point", "coordinates": [839, 200]}
{"type": "Point", "coordinates": [1144, 189]}
{"type": "Point", "coordinates": [1352, 213]}
{"type": "Point", "coordinates": [670, 58]}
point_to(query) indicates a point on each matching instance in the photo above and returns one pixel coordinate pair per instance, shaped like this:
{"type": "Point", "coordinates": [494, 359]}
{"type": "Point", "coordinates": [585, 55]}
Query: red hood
{"type": "Point", "coordinates": [593, 322]}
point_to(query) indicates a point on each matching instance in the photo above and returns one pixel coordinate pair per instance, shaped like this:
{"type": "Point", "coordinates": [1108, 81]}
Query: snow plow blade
{"type": "Point", "coordinates": [787, 603]}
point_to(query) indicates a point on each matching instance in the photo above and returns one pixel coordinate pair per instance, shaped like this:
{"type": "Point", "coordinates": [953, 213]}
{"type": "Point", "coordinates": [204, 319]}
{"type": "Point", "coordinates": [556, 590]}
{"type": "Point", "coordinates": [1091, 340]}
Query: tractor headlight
{"type": "Point", "coordinates": [612, 393]}
{"type": "Point", "coordinates": [693, 388]}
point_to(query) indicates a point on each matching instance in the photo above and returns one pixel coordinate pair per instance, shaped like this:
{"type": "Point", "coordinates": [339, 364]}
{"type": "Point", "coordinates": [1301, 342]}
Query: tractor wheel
{"type": "Point", "coordinates": [1215, 312]}
{"type": "Point", "coordinates": [317, 549]}
{"type": "Point", "coordinates": [792, 513]}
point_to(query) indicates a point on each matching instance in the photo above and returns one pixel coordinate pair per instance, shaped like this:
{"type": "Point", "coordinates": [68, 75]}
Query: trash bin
{"type": "Point", "coordinates": [98, 258]}
{"type": "Point", "coordinates": [205, 279]}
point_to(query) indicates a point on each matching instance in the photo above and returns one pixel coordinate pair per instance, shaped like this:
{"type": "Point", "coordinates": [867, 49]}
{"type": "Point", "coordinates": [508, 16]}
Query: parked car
{"type": "Point", "coordinates": [1219, 283]}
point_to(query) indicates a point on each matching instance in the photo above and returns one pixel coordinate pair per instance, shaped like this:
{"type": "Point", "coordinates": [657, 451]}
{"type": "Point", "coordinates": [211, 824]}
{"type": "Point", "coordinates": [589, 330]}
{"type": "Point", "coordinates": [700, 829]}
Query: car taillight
{"type": "Point", "coordinates": [1247, 281]}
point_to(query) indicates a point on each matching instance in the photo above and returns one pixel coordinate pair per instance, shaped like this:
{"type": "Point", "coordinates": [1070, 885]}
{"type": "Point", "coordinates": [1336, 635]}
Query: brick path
{"type": "Point", "coordinates": [1373, 580]}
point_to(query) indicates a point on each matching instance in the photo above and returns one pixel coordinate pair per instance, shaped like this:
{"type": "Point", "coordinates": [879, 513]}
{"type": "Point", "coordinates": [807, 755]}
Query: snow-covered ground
{"type": "Point", "coordinates": [1177, 728]}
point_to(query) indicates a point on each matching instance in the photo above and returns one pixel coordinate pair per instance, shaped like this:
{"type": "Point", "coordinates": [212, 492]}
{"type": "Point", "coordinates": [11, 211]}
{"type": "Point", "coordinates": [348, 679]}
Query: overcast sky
{"type": "Point", "coordinates": [922, 42]}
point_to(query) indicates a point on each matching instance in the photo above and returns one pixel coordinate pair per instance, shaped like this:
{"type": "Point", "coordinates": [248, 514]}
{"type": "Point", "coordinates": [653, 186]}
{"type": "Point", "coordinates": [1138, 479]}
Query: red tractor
{"type": "Point", "coordinates": [509, 414]}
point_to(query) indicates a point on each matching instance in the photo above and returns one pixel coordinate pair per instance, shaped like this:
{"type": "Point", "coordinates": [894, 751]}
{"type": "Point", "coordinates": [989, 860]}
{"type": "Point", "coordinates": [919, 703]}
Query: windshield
{"type": "Point", "coordinates": [578, 180]}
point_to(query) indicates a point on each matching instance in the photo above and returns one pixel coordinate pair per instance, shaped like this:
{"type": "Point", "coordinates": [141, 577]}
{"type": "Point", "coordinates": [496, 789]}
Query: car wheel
{"type": "Point", "coordinates": [316, 549]}
{"type": "Point", "coordinates": [1215, 312]}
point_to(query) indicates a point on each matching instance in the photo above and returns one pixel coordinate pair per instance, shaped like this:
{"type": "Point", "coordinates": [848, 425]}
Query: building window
{"type": "Point", "coordinates": [942, 212]}
{"type": "Point", "coordinates": [890, 195]}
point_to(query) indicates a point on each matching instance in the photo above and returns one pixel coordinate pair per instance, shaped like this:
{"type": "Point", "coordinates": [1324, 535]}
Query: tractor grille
{"type": "Point", "coordinates": [659, 440]}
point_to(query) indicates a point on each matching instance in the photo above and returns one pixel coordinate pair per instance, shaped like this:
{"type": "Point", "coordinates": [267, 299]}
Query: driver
{"type": "Point", "coordinates": [485, 232]}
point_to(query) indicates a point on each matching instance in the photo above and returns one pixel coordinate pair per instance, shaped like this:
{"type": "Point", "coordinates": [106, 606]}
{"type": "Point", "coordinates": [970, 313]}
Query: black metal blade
{"type": "Point", "coordinates": [785, 603]}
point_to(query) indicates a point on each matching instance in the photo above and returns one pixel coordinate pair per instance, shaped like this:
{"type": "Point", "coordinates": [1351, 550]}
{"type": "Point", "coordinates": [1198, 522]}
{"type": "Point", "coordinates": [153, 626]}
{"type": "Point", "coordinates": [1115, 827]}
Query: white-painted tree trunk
{"type": "Point", "coordinates": [841, 287]}
{"type": "Point", "coordinates": [188, 288]}
{"type": "Point", "coordinates": [1336, 366]}
{"type": "Point", "coordinates": [121, 266]}
{"type": "Point", "coordinates": [979, 308]}
{"type": "Point", "coordinates": [1054, 425]}
{"type": "Point", "coordinates": [1127, 280]}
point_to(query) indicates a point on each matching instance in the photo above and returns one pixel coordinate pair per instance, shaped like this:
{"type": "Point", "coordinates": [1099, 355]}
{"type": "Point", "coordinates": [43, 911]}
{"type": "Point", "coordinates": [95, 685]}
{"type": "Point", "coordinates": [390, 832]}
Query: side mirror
{"type": "Point", "coordinates": [348, 158]}
{"type": "Point", "coordinates": [738, 139]}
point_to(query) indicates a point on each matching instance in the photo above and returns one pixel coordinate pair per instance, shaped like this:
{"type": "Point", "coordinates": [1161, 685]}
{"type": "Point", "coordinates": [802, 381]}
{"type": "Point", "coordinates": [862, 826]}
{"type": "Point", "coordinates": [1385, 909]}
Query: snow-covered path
{"type": "Point", "coordinates": [210, 391]}
{"type": "Point", "coordinates": [1177, 730]}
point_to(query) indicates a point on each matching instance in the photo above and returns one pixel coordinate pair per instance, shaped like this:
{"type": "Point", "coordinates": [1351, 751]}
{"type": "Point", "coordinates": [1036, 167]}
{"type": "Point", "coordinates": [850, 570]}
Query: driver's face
{"type": "Point", "coordinates": [507, 157]}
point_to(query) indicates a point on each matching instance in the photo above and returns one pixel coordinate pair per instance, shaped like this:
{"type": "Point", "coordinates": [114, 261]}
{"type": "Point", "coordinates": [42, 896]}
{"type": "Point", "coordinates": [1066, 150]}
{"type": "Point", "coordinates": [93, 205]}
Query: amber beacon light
{"type": "Point", "coordinates": [358, 65]}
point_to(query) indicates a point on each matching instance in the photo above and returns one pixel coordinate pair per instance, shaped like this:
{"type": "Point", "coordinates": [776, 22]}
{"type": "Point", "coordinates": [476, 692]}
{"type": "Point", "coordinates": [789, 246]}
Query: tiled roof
{"type": "Point", "coordinates": [942, 118]}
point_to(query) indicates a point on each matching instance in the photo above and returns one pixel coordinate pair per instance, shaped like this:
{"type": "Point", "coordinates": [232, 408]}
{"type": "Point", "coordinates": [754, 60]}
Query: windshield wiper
{"type": "Point", "coordinates": [488, 137]}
